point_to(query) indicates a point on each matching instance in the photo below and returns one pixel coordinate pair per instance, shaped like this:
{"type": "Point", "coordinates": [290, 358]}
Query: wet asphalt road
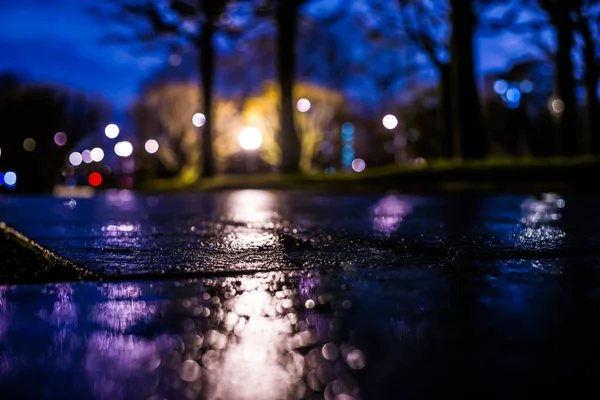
{"type": "Point", "coordinates": [291, 295]}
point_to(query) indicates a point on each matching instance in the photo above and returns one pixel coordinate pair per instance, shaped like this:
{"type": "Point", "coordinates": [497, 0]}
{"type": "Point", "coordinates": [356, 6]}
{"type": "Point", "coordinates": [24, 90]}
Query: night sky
{"type": "Point", "coordinates": [58, 41]}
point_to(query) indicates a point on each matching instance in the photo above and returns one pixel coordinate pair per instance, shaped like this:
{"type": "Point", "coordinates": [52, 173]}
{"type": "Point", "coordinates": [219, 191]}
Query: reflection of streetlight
{"type": "Point", "coordinates": [123, 149]}
{"type": "Point", "coordinates": [390, 122]}
{"type": "Point", "coordinates": [250, 138]}
{"type": "Point", "coordinates": [198, 120]}
{"type": "Point", "coordinates": [111, 131]}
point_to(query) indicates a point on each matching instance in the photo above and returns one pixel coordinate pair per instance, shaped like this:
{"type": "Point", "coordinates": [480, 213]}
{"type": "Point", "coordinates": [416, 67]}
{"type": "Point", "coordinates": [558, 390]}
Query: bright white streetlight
{"type": "Point", "coordinates": [75, 158]}
{"type": "Point", "coordinates": [303, 105]}
{"type": "Point", "coordinates": [97, 154]}
{"type": "Point", "coordinates": [111, 131]}
{"type": "Point", "coordinates": [151, 146]}
{"type": "Point", "coordinates": [390, 121]}
{"type": "Point", "coordinates": [198, 120]}
{"type": "Point", "coordinates": [250, 138]}
{"type": "Point", "coordinates": [123, 149]}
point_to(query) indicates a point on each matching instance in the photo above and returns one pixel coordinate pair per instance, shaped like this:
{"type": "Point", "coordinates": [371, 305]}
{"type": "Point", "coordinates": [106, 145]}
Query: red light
{"type": "Point", "coordinates": [95, 179]}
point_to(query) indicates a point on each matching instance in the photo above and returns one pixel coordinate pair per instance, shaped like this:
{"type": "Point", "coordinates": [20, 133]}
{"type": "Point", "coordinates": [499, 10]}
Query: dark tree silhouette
{"type": "Point", "coordinates": [38, 112]}
{"type": "Point", "coordinates": [420, 24]}
{"type": "Point", "coordinates": [569, 126]}
{"type": "Point", "coordinates": [467, 119]}
{"type": "Point", "coordinates": [172, 26]}
{"type": "Point", "coordinates": [286, 16]}
{"type": "Point", "coordinates": [444, 31]}
{"type": "Point", "coordinates": [588, 26]}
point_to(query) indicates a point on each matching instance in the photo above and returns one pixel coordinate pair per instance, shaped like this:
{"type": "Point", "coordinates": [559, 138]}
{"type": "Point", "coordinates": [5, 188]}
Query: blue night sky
{"type": "Point", "coordinates": [58, 41]}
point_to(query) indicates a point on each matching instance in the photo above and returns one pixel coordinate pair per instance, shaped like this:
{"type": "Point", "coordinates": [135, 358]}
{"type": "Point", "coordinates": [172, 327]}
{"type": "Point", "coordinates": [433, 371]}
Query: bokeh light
{"type": "Point", "coordinates": [513, 95]}
{"type": "Point", "coordinates": [10, 178]}
{"type": "Point", "coordinates": [111, 131]}
{"type": "Point", "coordinates": [526, 86]}
{"type": "Point", "coordinates": [86, 155]}
{"type": "Point", "coordinates": [151, 146]}
{"type": "Point", "coordinates": [198, 120]}
{"type": "Point", "coordinates": [303, 105]}
{"type": "Point", "coordinates": [390, 121]}
{"type": "Point", "coordinates": [97, 154]}
{"type": "Point", "coordinates": [557, 106]}
{"type": "Point", "coordinates": [1, 179]}
{"type": "Point", "coordinates": [75, 158]}
{"type": "Point", "coordinates": [500, 87]}
{"type": "Point", "coordinates": [250, 138]}
{"type": "Point", "coordinates": [60, 139]}
{"type": "Point", "coordinates": [348, 128]}
{"type": "Point", "coordinates": [123, 149]}
{"type": "Point", "coordinates": [358, 165]}
{"type": "Point", "coordinates": [95, 179]}
{"type": "Point", "coordinates": [29, 144]}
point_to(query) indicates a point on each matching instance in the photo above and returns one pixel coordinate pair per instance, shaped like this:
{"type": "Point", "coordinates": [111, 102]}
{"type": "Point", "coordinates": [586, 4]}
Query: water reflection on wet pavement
{"type": "Point", "coordinates": [361, 297]}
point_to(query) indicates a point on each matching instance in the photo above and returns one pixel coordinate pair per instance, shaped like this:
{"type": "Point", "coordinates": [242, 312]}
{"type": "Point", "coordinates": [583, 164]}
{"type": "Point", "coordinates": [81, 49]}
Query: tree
{"type": "Point", "coordinates": [427, 27]}
{"type": "Point", "coordinates": [444, 31]}
{"type": "Point", "coordinates": [177, 23]}
{"type": "Point", "coordinates": [467, 120]}
{"type": "Point", "coordinates": [286, 13]}
{"type": "Point", "coordinates": [261, 111]}
{"type": "Point", "coordinates": [588, 26]}
{"type": "Point", "coordinates": [569, 127]}
{"type": "Point", "coordinates": [35, 114]}
{"type": "Point", "coordinates": [163, 113]}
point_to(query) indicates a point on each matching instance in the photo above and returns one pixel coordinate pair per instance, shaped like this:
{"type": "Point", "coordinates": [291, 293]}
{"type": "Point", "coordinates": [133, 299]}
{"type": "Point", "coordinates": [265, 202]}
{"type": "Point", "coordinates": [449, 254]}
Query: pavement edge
{"type": "Point", "coordinates": [59, 269]}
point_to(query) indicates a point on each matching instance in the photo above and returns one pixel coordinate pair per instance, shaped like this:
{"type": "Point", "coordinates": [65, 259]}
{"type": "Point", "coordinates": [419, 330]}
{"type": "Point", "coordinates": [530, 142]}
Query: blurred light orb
{"type": "Point", "coordinates": [174, 60]}
{"type": "Point", "coordinates": [348, 128]}
{"type": "Point", "coordinates": [513, 95]}
{"type": "Point", "coordinates": [60, 139]}
{"type": "Point", "coordinates": [500, 87]}
{"type": "Point", "coordinates": [95, 179]}
{"type": "Point", "coordinates": [526, 86]}
{"type": "Point", "coordinates": [29, 144]}
{"type": "Point", "coordinates": [1, 179]}
{"type": "Point", "coordinates": [97, 154]}
{"type": "Point", "coordinates": [303, 105]}
{"type": "Point", "coordinates": [358, 165]}
{"type": "Point", "coordinates": [557, 106]}
{"type": "Point", "coordinates": [151, 146]}
{"type": "Point", "coordinates": [250, 138]}
{"type": "Point", "coordinates": [10, 178]}
{"type": "Point", "coordinates": [198, 120]}
{"type": "Point", "coordinates": [86, 155]}
{"type": "Point", "coordinates": [123, 149]}
{"type": "Point", "coordinates": [111, 131]}
{"type": "Point", "coordinates": [75, 158]}
{"type": "Point", "coordinates": [390, 121]}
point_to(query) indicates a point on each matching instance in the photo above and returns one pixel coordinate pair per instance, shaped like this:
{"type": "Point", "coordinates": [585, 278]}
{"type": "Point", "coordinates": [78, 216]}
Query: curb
{"type": "Point", "coordinates": [56, 268]}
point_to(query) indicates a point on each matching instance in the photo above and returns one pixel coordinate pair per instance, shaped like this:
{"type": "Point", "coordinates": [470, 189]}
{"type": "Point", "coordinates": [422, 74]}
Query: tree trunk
{"type": "Point", "coordinates": [286, 69]}
{"type": "Point", "coordinates": [466, 109]}
{"type": "Point", "coordinates": [568, 124]}
{"type": "Point", "coordinates": [447, 142]}
{"type": "Point", "coordinates": [206, 55]}
{"type": "Point", "coordinates": [591, 78]}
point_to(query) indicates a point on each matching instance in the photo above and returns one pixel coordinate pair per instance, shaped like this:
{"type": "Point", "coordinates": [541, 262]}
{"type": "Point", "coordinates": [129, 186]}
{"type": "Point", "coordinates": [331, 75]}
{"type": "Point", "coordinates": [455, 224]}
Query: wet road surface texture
{"type": "Point", "coordinates": [265, 295]}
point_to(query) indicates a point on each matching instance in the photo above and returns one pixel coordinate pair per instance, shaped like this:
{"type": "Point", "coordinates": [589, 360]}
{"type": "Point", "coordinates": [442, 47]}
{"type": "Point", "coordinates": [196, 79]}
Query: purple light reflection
{"type": "Point", "coordinates": [389, 212]}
